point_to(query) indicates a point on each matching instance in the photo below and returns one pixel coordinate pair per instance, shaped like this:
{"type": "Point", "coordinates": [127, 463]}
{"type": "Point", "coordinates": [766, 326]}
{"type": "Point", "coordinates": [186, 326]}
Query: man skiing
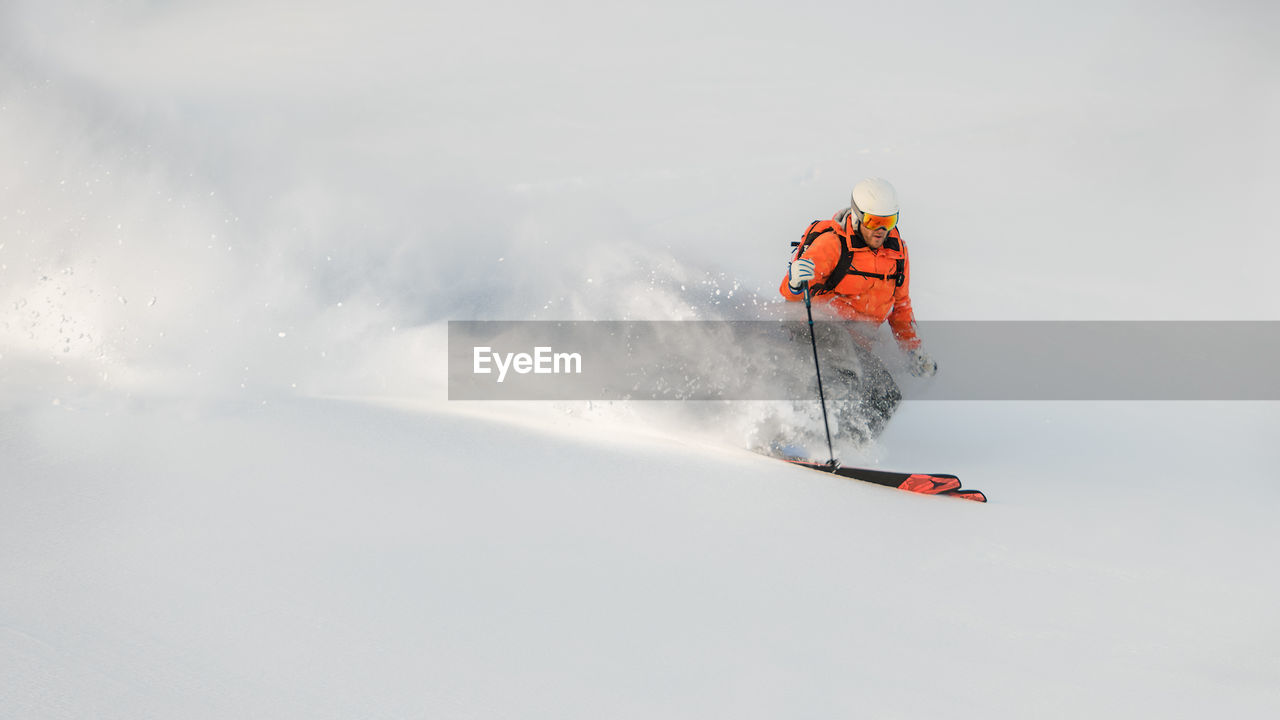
{"type": "Point", "coordinates": [857, 264]}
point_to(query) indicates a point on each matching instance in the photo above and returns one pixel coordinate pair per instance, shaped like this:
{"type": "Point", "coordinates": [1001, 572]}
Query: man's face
{"type": "Point", "coordinates": [873, 238]}
{"type": "Point", "coordinates": [875, 228]}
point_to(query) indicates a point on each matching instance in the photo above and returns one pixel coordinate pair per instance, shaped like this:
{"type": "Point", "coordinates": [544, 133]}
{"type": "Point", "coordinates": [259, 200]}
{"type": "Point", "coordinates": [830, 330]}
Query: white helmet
{"type": "Point", "coordinates": [875, 196]}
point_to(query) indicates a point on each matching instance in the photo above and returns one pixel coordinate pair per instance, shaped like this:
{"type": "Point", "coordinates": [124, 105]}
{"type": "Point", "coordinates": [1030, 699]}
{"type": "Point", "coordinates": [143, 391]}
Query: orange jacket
{"type": "Point", "coordinates": [860, 298]}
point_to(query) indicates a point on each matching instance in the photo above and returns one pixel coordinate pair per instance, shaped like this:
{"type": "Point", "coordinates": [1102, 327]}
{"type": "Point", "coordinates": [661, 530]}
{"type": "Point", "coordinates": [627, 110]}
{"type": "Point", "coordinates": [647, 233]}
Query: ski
{"type": "Point", "coordinates": [922, 483]}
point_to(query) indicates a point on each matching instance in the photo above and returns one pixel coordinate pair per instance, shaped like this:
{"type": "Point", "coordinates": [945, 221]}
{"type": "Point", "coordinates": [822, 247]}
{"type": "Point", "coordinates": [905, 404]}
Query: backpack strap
{"type": "Point", "coordinates": [898, 277]}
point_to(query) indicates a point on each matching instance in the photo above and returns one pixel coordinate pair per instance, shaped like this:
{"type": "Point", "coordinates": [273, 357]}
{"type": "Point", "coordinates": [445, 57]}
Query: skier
{"type": "Point", "coordinates": [857, 264]}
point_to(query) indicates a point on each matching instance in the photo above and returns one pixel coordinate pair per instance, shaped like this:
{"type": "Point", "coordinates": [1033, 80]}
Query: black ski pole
{"type": "Point", "coordinates": [822, 399]}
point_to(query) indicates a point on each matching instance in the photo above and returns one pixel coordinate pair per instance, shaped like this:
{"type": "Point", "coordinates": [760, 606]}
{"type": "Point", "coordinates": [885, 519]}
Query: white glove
{"type": "Point", "coordinates": [799, 272]}
{"type": "Point", "coordinates": [921, 365]}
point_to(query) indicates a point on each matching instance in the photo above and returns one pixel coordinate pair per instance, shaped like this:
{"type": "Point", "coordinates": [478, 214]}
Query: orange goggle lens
{"type": "Point", "coordinates": [875, 222]}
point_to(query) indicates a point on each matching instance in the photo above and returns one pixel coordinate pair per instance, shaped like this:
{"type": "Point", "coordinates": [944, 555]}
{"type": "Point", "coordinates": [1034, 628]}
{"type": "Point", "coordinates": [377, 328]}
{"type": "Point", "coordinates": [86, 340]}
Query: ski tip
{"type": "Point", "coordinates": [968, 494]}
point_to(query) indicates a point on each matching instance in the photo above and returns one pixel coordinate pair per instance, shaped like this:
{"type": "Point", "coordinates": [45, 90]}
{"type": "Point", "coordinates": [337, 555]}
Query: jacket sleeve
{"type": "Point", "coordinates": [902, 319]}
{"type": "Point", "coordinates": [824, 251]}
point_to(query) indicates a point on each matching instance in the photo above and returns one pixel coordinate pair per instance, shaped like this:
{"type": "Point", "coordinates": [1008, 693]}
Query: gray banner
{"type": "Point", "coordinates": [773, 360]}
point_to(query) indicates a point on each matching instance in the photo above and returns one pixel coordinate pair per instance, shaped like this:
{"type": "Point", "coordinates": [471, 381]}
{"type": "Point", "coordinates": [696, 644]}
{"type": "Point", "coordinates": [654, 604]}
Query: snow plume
{"type": "Point", "coordinates": [580, 256]}
{"type": "Point", "coordinates": [169, 231]}
{"type": "Point", "coordinates": [188, 214]}
{"type": "Point", "coordinates": [111, 263]}
{"type": "Point", "coordinates": [188, 219]}
{"type": "Point", "coordinates": [627, 278]}
{"type": "Point", "coordinates": [133, 261]}
{"type": "Point", "coordinates": [127, 265]}
{"type": "Point", "coordinates": [632, 282]}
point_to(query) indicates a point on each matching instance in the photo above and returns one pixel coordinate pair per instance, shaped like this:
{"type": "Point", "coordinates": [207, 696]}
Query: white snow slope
{"type": "Point", "coordinates": [231, 485]}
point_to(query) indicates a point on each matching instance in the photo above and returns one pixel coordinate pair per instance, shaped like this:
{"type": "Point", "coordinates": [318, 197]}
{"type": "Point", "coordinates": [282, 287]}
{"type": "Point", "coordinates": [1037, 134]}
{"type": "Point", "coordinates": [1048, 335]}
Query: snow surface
{"type": "Point", "coordinates": [231, 234]}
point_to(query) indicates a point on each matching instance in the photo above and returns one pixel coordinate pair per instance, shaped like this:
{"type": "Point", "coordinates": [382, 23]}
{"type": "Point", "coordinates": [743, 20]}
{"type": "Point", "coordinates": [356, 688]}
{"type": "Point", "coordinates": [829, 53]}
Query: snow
{"type": "Point", "coordinates": [231, 234]}
{"type": "Point", "coordinates": [321, 558]}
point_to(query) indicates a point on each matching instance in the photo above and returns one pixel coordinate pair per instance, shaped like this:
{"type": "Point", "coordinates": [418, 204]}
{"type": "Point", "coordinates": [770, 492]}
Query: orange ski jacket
{"type": "Point", "coordinates": [875, 288]}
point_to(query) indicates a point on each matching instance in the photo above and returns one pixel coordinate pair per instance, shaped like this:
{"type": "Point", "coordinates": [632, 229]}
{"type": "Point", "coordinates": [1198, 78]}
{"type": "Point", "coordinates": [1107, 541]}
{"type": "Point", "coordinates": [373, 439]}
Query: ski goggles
{"type": "Point", "coordinates": [875, 222]}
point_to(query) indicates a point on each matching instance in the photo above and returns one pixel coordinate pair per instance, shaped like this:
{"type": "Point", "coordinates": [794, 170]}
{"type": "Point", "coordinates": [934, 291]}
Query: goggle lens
{"type": "Point", "coordinates": [875, 222]}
